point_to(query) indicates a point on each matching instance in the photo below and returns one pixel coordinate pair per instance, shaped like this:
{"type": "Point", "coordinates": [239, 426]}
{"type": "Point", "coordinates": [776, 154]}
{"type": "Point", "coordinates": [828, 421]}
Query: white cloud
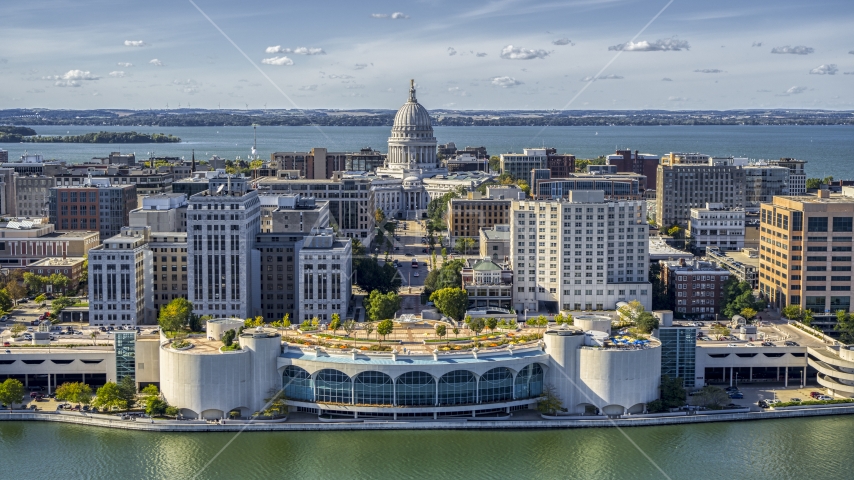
{"type": "Point", "coordinates": [505, 82]}
{"type": "Point", "coordinates": [309, 51]}
{"type": "Point", "coordinates": [480, 54]}
{"type": "Point", "coordinates": [604, 77]}
{"type": "Point", "coordinates": [451, 51]}
{"type": "Point", "coordinates": [125, 64]}
{"type": "Point", "coordinates": [117, 74]}
{"type": "Point", "coordinates": [518, 53]}
{"type": "Point", "coordinates": [156, 62]}
{"type": "Point", "coordinates": [798, 50]}
{"type": "Point", "coordinates": [278, 61]}
{"type": "Point", "coordinates": [360, 66]}
{"type": "Point", "coordinates": [135, 43]}
{"type": "Point", "coordinates": [379, 15]}
{"type": "Point", "coordinates": [561, 41]}
{"type": "Point", "coordinates": [399, 16]}
{"type": "Point", "coordinates": [708, 70]}
{"type": "Point", "coordinates": [665, 79]}
{"type": "Point", "coordinates": [676, 99]}
{"type": "Point", "coordinates": [661, 45]}
{"type": "Point", "coordinates": [756, 44]}
{"type": "Point", "coordinates": [79, 75]}
{"type": "Point", "coordinates": [829, 69]}
{"type": "Point", "coordinates": [191, 90]}
{"type": "Point", "coordinates": [796, 90]}
{"type": "Point", "coordinates": [277, 49]}
{"type": "Point", "coordinates": [311, 88]}
{"type": "Point", "coordinates": [67, 83]}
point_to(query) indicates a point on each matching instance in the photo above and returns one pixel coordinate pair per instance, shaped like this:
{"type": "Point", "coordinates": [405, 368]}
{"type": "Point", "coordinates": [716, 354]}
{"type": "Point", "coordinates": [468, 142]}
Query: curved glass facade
{"type": "Point", "coordinates": [373, 388]}
{"type": "Point", "coordinates": [458, 388]}
{"type": "Point", "coordinates": [298, 384]}
{"type": "Point", "coordinates": [529, 382]}
{"type": "Point", "coordinates": [416, 388]}
{"type": "Point", "coordinates": [496, 385]}
{"type": "Point", "coordinates": [332, 386]}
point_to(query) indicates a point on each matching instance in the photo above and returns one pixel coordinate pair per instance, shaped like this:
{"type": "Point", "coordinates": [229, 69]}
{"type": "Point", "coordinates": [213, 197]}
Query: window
{"type": "Point", "coordinates": [817, 224]}
{"type": "Point", "coordinates": [373, 388]}
{"type": "Point", "coordinates": [458, 387]}
{"type": "Point", "coordinates": [416, 388]}
{"type": "Point", "coordinates": [332, 386]}
{"type": "Point", "coordinates": [298, 384]}
{"type": "Point", "coordinates": [496, 385]}
{"type": "Point", "coordinates": [842, 224]}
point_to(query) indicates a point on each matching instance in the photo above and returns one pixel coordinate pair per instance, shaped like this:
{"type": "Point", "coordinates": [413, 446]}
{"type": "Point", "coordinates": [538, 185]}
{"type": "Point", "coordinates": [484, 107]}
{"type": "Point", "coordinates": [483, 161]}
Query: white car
{"type": "Point", "coordinates": [824, 397]}
{"type": "Point", "coordinates": [415, 274]}
{"type": "Point", "coordinates": [732, 345]}
{"type": "Point", "coordinates": [749, 344]}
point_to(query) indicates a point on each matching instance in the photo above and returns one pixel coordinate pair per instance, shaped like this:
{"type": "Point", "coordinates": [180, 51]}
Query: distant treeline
{"type": "Point", "coordinates": [381, 118]}
{"type": "Point", "coordinates": [100, 137]}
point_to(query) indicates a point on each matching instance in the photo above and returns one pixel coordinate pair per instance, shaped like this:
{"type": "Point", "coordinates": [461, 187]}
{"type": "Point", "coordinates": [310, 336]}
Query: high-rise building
{"type": "Point", "coordinates": [695, 287]}
{"type": "Point", "coordinates": [684, 181]}
{"type": "Point", "coordinates": [169, 274]}
{"type": "Point", "coordinates": [579, 253]}
{"type": "Point", "coordinates": [466, 216]}
{"type": "Point", "coordinates": [221, 229]}
{"type": "Point", "coordinates": [644, 164]}
{"type": "Point", "coordinates": [716, 226]}
{"type": "Point", "coordinates": [618, 186]}
{"type": "Point", "coordinates": [120, 280]}
{"type": "Point", "coordinates": [323, 276]}
{"type": "Point", "coordinates": [762, 182]}
{"type": "Point", "coordinates": [95, 205]}
{"type": "Point", "coordinates": [519, 165]}
{"type": "Point", "coordinates": [797, 175]}
{"type": "Point", "coordinates": [275, 254]}
{"type": "Point", "coordinates": [805, 252]}
{"type": "Point", "coordinates": [33, 194]}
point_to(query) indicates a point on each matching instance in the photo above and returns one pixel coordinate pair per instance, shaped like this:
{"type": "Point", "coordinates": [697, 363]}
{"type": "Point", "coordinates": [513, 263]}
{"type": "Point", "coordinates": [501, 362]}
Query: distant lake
{"type": "Point", "coordinates": [826, 148]}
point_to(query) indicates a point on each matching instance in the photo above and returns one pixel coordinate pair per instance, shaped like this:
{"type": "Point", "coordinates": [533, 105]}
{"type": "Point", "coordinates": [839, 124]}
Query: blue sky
{"type": "Point", "coordinates": [505, 54]}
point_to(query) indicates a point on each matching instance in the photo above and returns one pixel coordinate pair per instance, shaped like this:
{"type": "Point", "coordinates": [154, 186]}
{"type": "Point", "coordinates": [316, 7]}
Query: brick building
{"type": "Point", "coordinates": [96, 205]}
{"type": "Point", "coordinates": [695, 288]}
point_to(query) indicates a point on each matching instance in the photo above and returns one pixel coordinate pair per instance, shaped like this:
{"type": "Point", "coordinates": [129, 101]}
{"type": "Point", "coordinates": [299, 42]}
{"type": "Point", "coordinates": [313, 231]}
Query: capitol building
{"type": "Point", "coordinates": [412, 176]}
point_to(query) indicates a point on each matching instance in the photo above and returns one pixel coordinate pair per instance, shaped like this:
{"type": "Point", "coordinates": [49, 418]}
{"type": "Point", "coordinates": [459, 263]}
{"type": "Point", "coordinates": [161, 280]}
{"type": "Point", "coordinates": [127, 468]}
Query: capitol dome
{"type": "Point", "coordinates": [412, 116]}
{"type": "Point", "coordinates": [412, 145]}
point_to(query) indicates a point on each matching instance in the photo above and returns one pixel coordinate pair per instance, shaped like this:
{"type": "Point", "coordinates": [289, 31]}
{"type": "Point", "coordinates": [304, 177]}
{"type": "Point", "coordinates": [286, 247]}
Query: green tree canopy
{"type": "Point", "coordinates": [441, 330]}
{"type": "Point", "coordinates": [11, 392]}
{"type": "Point", "coordinates": [59, 304]}
{"type": "Point", "coordinates": [672, 391]}
{"type": "Point", "coordinates": [109, 397]}
{"type": "Point", "coordinates": [845, 326]}
{"type": "Point", "coordinates": [646, 322]}
{"type": "Point", "coordinates": [75, 392]}
{"type": "Point", "coordinates": [738, 296]}
{"type": "Point", "coordinates": [385, 328]}
{"type": "Point", "coordinates": [382, 306]}
{"type": "Point", "coordinates": [5, 301]}
{"type": "Point", "coordinates": [452, 302]}
{"type": "Point", "coordinates": [370, 275]}
{"type": "Point", "coordinates": [175, 314]}
{"type": "Point", "coordinates": [155, 406]}
{"type": "Point", "coordinates": [335, 322]}
{"type": "Point", "coordinates": [127, 389]}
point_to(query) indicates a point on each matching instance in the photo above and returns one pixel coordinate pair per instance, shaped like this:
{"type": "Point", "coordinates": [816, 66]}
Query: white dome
{"type": "Point", "coordinates": [412, 179]}
{"type": "Point", "coordinates": [412, 116]}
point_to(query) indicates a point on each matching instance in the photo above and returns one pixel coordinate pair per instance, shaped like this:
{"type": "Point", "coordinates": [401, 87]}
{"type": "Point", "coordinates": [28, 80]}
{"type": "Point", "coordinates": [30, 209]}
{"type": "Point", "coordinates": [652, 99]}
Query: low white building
{"type": "Point", "coordinates": [716, 226]}
{"type": "Point", "coordinates": [323, 276]}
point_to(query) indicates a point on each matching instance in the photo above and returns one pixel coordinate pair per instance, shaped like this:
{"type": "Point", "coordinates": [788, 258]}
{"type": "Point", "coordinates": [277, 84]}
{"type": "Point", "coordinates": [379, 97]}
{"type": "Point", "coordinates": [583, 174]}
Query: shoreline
{"type": "Point", "coordinates": [463, 424]}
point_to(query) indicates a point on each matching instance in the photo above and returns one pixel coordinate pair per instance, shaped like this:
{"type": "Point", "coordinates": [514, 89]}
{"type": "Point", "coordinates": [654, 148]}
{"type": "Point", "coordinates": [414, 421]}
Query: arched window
{"type": "Point", "coordinates": [529, 382]}
{"type": "Point", "coordinates": [298, 384]}
{"type": "Point", "coordinates": [496, 385]}
{"type": "Point", "coordinates": [373, 388]}
{"type": "Point", "coordinates": [332, 386]}
{"type": "Point", "coordinates": [458, 388]}
{"type": "Point", "coordinates": [416, 388]}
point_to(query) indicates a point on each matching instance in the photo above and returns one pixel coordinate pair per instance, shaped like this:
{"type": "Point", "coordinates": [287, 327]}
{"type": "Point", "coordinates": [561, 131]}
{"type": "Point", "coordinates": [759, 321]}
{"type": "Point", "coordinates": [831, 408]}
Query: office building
{"type": "Point", "coordinates": [169, 261]}
{"type": "Point", "coordinates": [762, 182]}
{"type": "Point", "coordinates": [317, 164]}
{"type": "Point", "coordinates": [94, 205]}
{"type": "Point", "coordinates": [805, 252]}
{"type": "Point", "coordinates": [519, 165]}
{"type": "Point", "coordinates": [716, 226]}
{"type": "Point", "coordinates": [797, 174]}
{"type": "Point", "coordinates": [365, 160]}
{"type": "Point", "coordinates": [292, 213]}
{"type": "Point", "coordinates": [466, 162]}
{"type": "Point", "coordinates": [164, 212]}
{"type": "Point", "coordinates": [276, 258]}
{"type": "Point", "coordinates": [323, 276]}
{"type": "Point", "coordinates": [695, 287]}
{"type": "Point", "coordinates": [684, 181]}
{"type": "Point", "coordinates": [221, 230]}
{"type": "Point", "coordinates": [23, 242]}
{"type": "Point", "coordinates": [579, 253]}
{"type": "Point", "coordinates": [33, 194]}
{"type": "Point", "coordinates": [644, 164]}
{"type": "Point", "coordinates": [120, 275]}
{"type": "Point", "coordinates": [495, 242]}
{"type": "Point", "coordinates": [743, 264]}
{"type": "Point", "coordinates": [467, 216]}
{"type": "Point", "coordinates": [620, 186]}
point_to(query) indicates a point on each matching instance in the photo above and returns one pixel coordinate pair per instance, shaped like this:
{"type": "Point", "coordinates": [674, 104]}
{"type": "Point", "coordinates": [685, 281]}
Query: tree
{"type": "Point", "coordinates": [738, 296]}
{"type": "Point", "coordinates": [286, 321]}
{"type": "Point", "coordinates": [464, 244]}
{"type": "Point", "coordinates": [675, 231]}
{"type": "Point", "coordinates": [127, 389]}
{"type": "Point", "coordinates": [748, 313]}
{"type": "Point", "coordinates": [16, 290]}
{"type": "Point", "coordinates": [672, 392]}
{"type": "Point", "coordinates": [719, 331]}
{"type": "Point", "coordinates": [349, 326]}
{"type": "Point", "coordinates": [59, 282]}
{"type": "Point", "coordinates": [385, 328]}
{"type": "Point", "coordinates": [228, 337]}
{"type": "Point", "coordinates": [370, 275]}
{"type": "Point", "coordinates": [379, 216]}
{"type": "Point", "coordinates": [172, 412]}
{"type": "Point", "coordinates": [11, 392]}
{"type": "Point", "coordinates": [477, 325]}
{"type": "Point", "coordinates": [813, 183]}
{"type": "Point", "coordinates": [807, 320]}
{"type": "Point", "coordinates": [491, 323]}
{"type": "Point", "coordinates": [792, 312]}
{"type": "Point", "coordinates": [845, 326]}
{"type": "Point", "coordinates": [559, 320]}
{"type": "Point", "coordinates": [541, 321]}
{"type": "Point", "coordinates": [59, 304]}
{"type": "Point", "coordinates": [109, 397]}
{"type": "Point", "coordinates": [369, 328]}
{"type": "Point", "coordinates": [155, 406]}
{"type": "Point", "coordinates": [456, 331]}
{"type": "Point", "coordinates": [452, 302]}
{"type": "Point", "coordinates": [660, 299]}
{"type": "Point", "coordinates": [277, 403]}
{"type": "Point", "coordinates": [174, 315]}
{"type": "Point", "coordinates": [382, 306]}
{"type": "Point", "coordinates": [448, 276]}
{"type": "Point", "coordinates": [74, 392]}
{"type": "Point", "coordinates": [710, 397]}
{"type": "Point", "coordinates": [150, 389]}
{"type": "Point", "coordinates": [17, 329]}
{"type": "Point", "coordinates": [441, 330]}
{"type": "Point", "coordinates": [631, 312]}
{"type": "Point", "coordinates": [646, 322]}
{"type": "Point", "coordinates": [335, 323]}
{"type": "Point", "coordinates": [549, 402]}
{"type": "Point", "coordinates": [40, 299]}
{"type": "Point", "coordinates": [5, 301]}
{"type": "Point", "coordinates": [34, 282]}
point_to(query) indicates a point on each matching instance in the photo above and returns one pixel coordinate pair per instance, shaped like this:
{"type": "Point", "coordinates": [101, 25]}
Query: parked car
{"type": "Point", "coordinates": [762, 404]}
{"type": "Point", "coordinates": [732, 345]}
{"type": "Point", "coordinates": [795, 399]}
{"type": "Point", "coordinates": [815, 394]}
{"type": "Point", "coordinates": [790, 343]}
{"type": "Point", "coordinates": [736, 395]}
{"type": "Point", "coordinates": [824, 397]}
{"type": "Point", "coordinates": [749, 344]}
{"type": "Point", "coordinates": [731, 389]}
{"type": "Point", "coordinates": [767, 344]}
